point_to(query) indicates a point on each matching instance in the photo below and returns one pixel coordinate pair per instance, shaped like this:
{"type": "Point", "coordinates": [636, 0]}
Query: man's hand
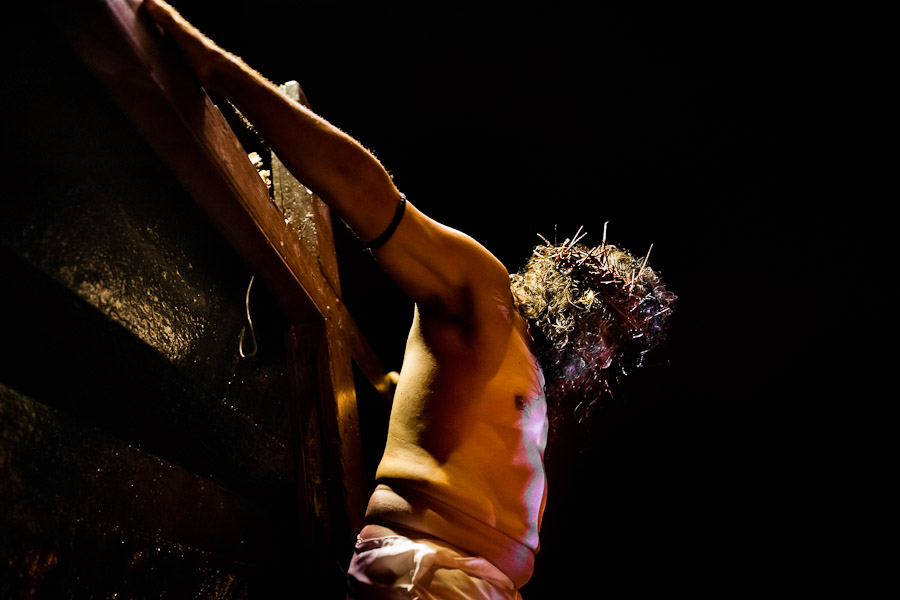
{"type": "Point", "coordinates": [202, 54]}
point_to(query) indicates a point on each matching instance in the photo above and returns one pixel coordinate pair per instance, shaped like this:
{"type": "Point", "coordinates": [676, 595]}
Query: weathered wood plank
{"type": "Point", "coordinates": [73, 358]}
{"type": "Point", "coordinates": [85, 514]}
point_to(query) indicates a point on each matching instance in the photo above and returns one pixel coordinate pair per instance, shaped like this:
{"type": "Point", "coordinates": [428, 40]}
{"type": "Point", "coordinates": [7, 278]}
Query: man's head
{"type": "Point", "coordinates": [593, 313]}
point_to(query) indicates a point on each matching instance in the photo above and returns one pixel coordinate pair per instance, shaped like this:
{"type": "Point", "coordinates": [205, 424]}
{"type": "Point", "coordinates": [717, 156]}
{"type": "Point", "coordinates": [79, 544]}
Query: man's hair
{"type": "Point", "coordinates": [594, 314]}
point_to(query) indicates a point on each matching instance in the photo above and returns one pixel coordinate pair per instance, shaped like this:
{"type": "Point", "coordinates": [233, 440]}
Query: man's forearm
{"type": "Point", "coordinates": [335, 166]}
{"type": "Point", "coordinates": [331, 163]}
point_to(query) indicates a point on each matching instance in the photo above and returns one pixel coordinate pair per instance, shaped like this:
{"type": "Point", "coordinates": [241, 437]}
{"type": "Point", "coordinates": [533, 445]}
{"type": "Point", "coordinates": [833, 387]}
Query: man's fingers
{"type": "Point", "coordinates": [200, 52]}
{"type": "Point", "coordinates": [174, 24]}
{"type": "Point", "coordinates": [158, 11]}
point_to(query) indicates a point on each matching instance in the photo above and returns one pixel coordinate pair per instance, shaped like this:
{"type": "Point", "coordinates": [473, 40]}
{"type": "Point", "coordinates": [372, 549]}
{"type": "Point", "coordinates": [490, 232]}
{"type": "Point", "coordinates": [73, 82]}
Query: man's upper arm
{"type": "Point", "coordinates": [440, 268]}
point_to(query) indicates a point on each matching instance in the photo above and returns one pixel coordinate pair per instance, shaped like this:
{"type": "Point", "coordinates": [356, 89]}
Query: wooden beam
{"type": "Point", "coordinates": [169, 107]}
{"type": "Point", "coordinates": [63, 479]}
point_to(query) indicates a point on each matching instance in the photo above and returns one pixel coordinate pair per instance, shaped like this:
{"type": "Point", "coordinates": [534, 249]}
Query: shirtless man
{"type": "Point", "coordinates": [461, 487]}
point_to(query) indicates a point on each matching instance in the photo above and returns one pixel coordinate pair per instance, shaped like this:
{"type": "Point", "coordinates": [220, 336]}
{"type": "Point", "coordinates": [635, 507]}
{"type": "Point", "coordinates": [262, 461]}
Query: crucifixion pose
{"type": "Point", "coordinates": [461, 487]}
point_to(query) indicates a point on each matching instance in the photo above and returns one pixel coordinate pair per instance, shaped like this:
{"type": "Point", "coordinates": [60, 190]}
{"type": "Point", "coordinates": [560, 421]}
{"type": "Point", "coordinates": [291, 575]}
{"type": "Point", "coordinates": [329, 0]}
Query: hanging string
{"type": "Point", "coordinates": [250, 323]}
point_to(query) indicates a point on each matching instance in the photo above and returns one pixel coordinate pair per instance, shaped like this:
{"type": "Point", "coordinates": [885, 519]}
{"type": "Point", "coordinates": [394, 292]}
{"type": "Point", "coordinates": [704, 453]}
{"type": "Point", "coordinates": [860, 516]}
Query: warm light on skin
{"type": "Point", "coordinates": [535, 429]}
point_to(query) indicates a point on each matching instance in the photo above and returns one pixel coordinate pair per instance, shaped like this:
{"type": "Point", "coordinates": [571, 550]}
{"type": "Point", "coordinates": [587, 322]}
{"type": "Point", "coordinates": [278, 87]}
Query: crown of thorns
{"type": "Point", "coordinates": [620, 285]}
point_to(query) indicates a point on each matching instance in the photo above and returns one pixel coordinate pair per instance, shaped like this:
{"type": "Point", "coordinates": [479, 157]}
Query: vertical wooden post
{"type": "Point", "coordinates": [340, 434]}
{"type": "Point", "coordinates": [337, 394]}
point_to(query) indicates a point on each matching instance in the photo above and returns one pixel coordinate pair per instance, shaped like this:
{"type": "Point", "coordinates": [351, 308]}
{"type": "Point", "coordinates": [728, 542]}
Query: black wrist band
{"type": "Point", "coordinates": [381, 239]}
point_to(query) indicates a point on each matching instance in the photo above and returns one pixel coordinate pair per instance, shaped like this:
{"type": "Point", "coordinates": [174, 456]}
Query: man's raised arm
{"type": "Point", "coordinates": [433, 264]}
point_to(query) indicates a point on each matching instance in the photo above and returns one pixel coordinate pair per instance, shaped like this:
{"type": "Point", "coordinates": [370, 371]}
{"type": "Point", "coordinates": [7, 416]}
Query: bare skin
{"type": "Point", "coordinates": [468, 345]}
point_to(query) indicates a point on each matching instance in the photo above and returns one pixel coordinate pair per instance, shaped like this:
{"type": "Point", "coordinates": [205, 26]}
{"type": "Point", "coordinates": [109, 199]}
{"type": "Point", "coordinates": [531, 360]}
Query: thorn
{"type": "Point", "coordinates": [578, 237]}
{"type": "Point", "coordinates": [645, 261]}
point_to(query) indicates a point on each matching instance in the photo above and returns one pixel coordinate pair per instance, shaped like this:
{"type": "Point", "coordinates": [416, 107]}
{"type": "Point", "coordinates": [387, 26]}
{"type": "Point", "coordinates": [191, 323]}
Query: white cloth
{"type": "Point", "coordinates": [397, 567]}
